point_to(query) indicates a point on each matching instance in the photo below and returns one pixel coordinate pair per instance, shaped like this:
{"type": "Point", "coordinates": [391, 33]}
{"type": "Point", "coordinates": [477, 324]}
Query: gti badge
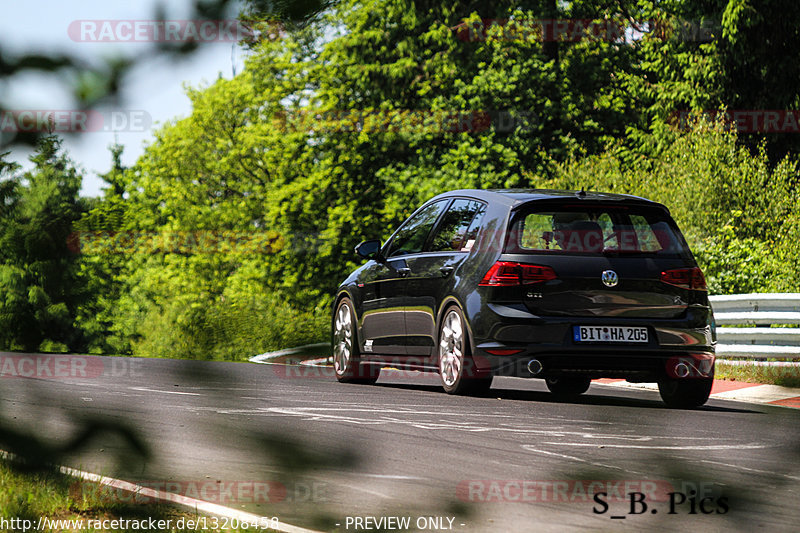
{"type": "Point", "coordinates": [610, 278]}
{"type": "Point", "coordinates": [368, 345]}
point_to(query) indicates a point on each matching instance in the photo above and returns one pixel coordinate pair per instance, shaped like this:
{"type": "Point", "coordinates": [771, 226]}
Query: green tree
{"type": "Point", "coordinates": [105, 274]}
{"type": "Point", "coordinates": [738, 210]}
{"type": "Point", "coordinates": [38, 271]}
{"type": "Point", "coordinates": [737, 55]}
{"type": "Point", "coordinates": [335, 131]}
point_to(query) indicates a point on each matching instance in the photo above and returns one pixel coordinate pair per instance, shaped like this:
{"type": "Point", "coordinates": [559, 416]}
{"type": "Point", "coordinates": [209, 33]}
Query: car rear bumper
{"type": "Point", "coordinates": [512, 342]}
{"type": "Point", "coordinates": [636, 366]}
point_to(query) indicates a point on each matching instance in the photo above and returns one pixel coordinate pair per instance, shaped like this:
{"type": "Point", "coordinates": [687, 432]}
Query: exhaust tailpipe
{"type": "Point", "coordinates": [681, 370]}
{"type": "Point", "coordinates": [535, 366]}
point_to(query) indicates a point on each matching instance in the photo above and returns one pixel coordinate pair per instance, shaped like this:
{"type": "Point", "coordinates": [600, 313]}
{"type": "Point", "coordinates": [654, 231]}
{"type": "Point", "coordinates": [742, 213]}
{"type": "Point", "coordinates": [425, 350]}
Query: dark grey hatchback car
{"type": "Point", "coordinates": [561, 285]}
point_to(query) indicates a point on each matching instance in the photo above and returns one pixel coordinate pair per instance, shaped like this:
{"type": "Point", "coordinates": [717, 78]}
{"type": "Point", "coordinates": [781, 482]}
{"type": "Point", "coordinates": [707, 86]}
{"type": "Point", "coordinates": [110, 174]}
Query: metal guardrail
{"type": "Point", "coordinates": [757, 310]}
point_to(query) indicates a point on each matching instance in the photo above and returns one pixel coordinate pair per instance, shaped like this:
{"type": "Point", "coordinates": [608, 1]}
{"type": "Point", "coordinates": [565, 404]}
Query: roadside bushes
{"type": "Point", "coordinates": [740, 214]}
{"type": "Point", "coordinates": [245, 327]}
{"type": "Point", "coordinates": [210, 307]}
{"type": "Point", "coordinates": [228, 329]}
{"type": "Point", "coordinates": [736, 265]}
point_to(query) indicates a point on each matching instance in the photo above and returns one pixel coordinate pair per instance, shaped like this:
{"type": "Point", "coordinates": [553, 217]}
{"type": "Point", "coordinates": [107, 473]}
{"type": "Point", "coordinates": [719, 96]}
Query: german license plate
{"type": "Point", "coordinates": [610, 334]}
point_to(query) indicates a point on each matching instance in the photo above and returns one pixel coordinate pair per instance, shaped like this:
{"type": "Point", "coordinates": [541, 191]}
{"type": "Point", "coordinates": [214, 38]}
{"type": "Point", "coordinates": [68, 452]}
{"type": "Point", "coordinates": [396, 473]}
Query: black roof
{"type": "Point", "coordinates": [515, 197]}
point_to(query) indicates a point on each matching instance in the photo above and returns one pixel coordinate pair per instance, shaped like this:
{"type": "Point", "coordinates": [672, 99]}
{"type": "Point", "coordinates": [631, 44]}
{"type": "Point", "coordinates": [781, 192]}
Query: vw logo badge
{"type": "Point", "coordinates": [610, 278]}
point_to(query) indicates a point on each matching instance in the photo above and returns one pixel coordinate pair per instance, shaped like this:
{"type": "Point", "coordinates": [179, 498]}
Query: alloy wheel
{"type": "Point", "coordinates": [342, 339]}
{"type": "Point", "coordinates": [451, 349]}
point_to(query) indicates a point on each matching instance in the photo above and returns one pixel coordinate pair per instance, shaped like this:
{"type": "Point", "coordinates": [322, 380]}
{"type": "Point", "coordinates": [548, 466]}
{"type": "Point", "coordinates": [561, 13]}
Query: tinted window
{"type": "Point", "coordinates": [459, 227]}
{"type": "Point", "coordinates": [411, 236]}
{"type": "Point", "coordinates": [598, 229]}
{"type": "Point", "coordinates": [472, 232]}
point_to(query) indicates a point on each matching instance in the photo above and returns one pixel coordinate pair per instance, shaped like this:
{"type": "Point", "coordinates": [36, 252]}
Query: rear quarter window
{"type": "Point", "coordinates": [459, 226]}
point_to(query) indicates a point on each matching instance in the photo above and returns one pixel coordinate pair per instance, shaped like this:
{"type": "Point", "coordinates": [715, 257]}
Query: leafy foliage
{"type": "Point", "coordinates": [39, 278]}
{"type": "Point", "coordinates": [738, 211]}
{"type": "Point", "coordinates": [335, 131]}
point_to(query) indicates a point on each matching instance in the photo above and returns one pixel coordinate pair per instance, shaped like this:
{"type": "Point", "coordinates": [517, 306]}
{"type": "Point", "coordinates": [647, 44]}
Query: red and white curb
{"type": "Point", "coordinates": [731, 390]}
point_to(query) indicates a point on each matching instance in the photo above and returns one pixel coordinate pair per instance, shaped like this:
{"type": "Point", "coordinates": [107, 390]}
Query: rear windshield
{"type": "Point", "coordinates": [595, 230]}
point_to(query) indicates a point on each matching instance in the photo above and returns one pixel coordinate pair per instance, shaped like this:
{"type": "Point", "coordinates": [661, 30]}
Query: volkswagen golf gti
{"type": "Point", "coordinates": [563, 286]}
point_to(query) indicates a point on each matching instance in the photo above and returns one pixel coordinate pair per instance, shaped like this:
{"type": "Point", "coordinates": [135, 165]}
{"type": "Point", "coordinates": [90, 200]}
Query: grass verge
{"type": "Point", "coordinates": [71, 505]}
{"type": "Point", "coordinates": [786, 376]}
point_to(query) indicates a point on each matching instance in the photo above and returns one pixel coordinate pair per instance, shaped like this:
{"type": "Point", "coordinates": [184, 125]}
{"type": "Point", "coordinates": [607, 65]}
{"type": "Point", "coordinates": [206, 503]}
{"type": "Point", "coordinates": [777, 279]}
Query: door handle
{"type": "Point", "coordinates": [404, 272]}
{"type": "Point", "coordinates": [446, 271]}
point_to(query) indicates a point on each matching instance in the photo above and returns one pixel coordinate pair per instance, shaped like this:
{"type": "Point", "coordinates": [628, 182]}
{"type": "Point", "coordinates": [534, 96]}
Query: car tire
{"type": "Point", "coordinates": [347, 364]}
{"type": "Point", "coordinates": [570, 386]}
{"type": "Point", "coordinates": [455, 358]}
{"type": "Point", "coordinates": [685, 394]}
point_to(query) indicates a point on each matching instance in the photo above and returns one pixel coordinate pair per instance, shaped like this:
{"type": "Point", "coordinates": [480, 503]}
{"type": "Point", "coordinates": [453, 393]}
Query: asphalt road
{"type": "Point", "coordinates": [328, 453]}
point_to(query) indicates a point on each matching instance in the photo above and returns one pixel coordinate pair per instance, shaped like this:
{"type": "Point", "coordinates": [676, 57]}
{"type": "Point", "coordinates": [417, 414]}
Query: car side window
{"type": "Point", "coordinates": [471, 235]}
{"type": "Point", "coordinates": [411, 236]}
{"type": "Point", "coordinates": [459, 227]}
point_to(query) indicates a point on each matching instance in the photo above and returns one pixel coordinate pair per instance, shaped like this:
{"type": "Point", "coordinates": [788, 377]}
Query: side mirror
{"type": "Point", "coordinates": [369, 249]}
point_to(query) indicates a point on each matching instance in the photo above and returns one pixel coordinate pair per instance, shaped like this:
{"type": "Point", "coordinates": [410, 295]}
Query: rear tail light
{"type": "Point", "coordinates": [502, 351]}
{"type": "Point", "coordinates": [685, 278]}
{"type": "Point", "coordinates": [508, 274]}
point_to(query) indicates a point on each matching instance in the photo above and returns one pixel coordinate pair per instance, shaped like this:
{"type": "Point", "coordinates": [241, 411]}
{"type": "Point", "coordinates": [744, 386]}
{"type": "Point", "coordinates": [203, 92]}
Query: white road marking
{"type": "Point", "coordinates": [362, 489]}
{"type": "Point", "coordinates": [445, 423]}
{"type": "Point", "coordinates": [392, 410]}
{"type": "Point", "coordinates": [390, 476]}
{"type": "Point", "coordinates": [145, 389]}
{"type": "Point", "coordinates": [634, 446]}
{"type": "Point", "coordinates": [531, 448]}
{"type": "Point", "coordinates": [740, 467]}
